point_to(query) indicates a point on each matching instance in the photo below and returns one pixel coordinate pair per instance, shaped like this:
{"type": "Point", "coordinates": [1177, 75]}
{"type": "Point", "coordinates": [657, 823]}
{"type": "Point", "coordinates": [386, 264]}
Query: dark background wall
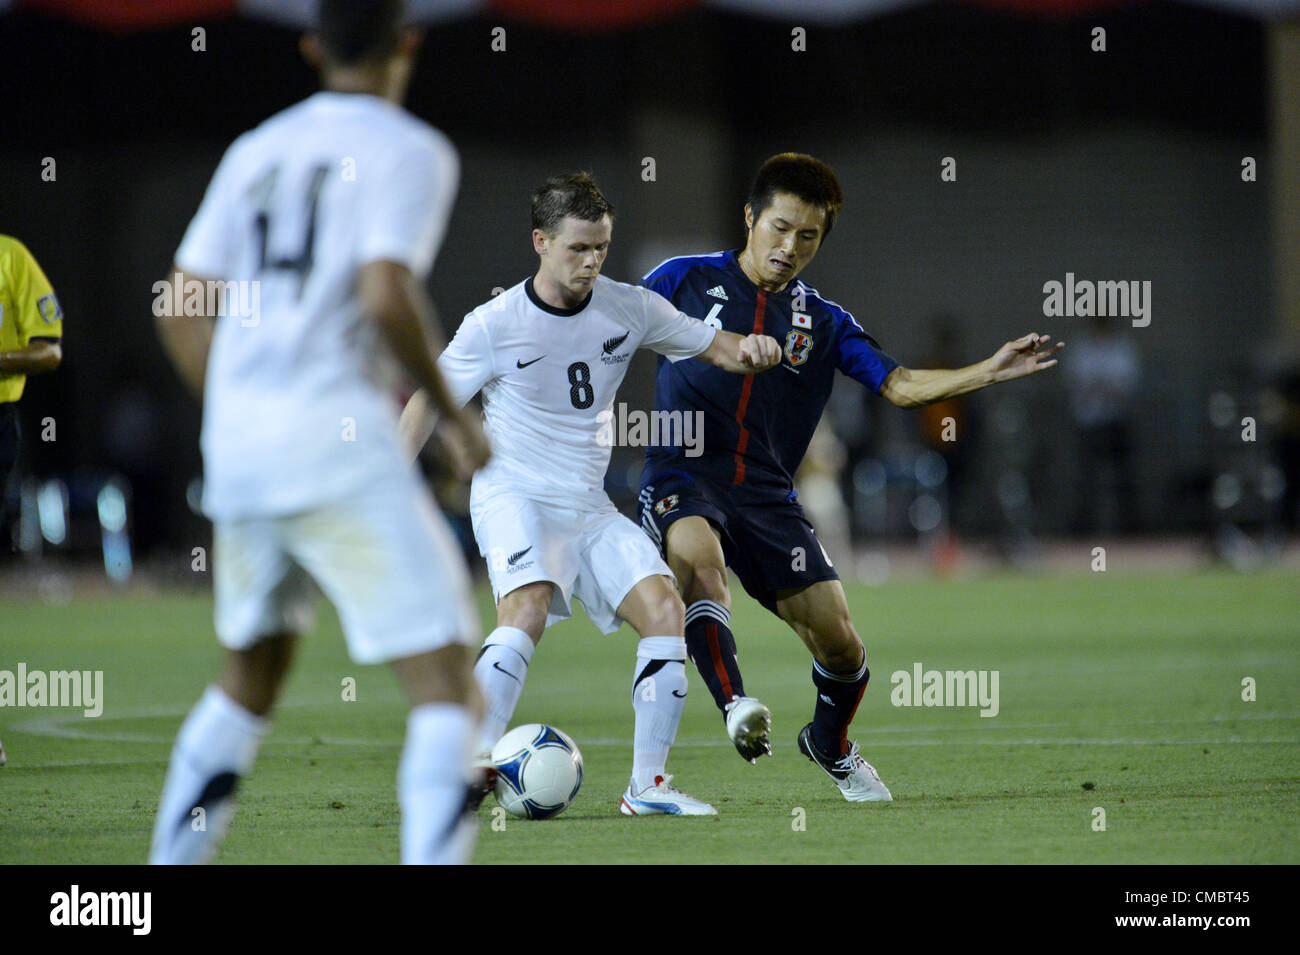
{"type": "Point", "coordinates": [1116, 165]}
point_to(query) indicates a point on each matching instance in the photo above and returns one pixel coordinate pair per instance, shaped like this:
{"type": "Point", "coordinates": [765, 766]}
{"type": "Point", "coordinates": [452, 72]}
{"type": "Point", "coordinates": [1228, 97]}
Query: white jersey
{"type": "Point", "coordinates": [548, 377]}
{"type": "Point", "coordinates": [298, 407]}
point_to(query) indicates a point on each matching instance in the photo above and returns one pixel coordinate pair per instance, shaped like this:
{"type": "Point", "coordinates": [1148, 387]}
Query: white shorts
{"type": "Point", "coordinates": [384, 557]}
{"type": "Point", "coordinates": [591, 552]}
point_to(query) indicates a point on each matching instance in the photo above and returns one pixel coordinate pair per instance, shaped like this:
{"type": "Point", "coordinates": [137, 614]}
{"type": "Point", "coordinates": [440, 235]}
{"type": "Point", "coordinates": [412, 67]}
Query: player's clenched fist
{"type": "Point", "coordinates": [760, 352]}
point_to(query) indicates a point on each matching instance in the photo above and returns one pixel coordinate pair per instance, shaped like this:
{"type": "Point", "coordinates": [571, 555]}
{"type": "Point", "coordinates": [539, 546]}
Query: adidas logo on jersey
{"type": "Point", "coordinates": [718, 292]}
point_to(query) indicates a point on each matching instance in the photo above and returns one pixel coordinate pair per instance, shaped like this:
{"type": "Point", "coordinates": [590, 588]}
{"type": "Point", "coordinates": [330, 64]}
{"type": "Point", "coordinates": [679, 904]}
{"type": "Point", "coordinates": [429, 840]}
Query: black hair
{"type": "Point", "coordinates": [801, 176]}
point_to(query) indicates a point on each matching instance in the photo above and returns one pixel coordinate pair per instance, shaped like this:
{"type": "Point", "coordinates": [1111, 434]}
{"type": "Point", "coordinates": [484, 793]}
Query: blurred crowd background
{"type": "Point", "coordinates": [1123, 165]}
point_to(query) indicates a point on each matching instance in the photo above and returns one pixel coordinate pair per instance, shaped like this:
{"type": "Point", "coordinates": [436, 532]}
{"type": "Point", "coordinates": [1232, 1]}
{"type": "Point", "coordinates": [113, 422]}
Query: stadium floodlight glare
{"type": "Point", "coordinates": [52, 511]}
{"type": "Point", "coordinates": [112, 507]}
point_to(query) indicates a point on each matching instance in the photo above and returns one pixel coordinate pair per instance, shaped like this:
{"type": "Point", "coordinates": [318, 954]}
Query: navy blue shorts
{"type": "Point", "coordinates": [766, 539]}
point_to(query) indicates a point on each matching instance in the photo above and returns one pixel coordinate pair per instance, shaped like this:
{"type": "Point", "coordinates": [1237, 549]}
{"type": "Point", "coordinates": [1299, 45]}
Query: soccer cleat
{"type": "Point", "coordinates": [662, 800]}
{"type": "Point", "coordinates": [857, 778]}
{"type": "Point", "coordinates": [748, 724]}
{"type": "Point", "coordinates": [483, 781]}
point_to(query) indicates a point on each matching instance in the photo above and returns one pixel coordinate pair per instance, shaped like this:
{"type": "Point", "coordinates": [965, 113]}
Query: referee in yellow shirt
{"type": "Point", "coordinates": [31, 326]}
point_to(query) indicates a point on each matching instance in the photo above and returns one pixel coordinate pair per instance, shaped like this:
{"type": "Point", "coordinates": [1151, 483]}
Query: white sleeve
{"type": "Point", "coordinates": [671, 333]}
{"type": "Point", "coordinates": [466, 366]}
{"type": "Point", "coordinates": [209, 246]}
{"type": "Point", "coordinates": [408, 204]}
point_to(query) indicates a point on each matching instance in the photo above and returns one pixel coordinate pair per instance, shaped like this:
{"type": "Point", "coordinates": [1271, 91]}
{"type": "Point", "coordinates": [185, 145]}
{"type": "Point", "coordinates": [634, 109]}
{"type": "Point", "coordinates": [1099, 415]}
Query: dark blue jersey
{"type": "Point", "coordinates": [756, 428]}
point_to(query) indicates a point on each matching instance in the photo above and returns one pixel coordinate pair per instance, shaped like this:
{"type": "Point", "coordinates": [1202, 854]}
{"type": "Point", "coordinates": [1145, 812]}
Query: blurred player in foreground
{"type": "Point", "coordinates": [548, 356]}
{"type": "Point", "coordinates": [326, 217]}
{"type": "Point", "coordinates": [735, 504]}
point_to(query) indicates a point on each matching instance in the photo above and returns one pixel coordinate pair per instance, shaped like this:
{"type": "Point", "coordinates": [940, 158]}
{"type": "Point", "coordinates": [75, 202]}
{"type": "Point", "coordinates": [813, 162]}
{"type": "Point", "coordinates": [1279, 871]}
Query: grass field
{"type": "Point", "coordinates": [1123, 693]}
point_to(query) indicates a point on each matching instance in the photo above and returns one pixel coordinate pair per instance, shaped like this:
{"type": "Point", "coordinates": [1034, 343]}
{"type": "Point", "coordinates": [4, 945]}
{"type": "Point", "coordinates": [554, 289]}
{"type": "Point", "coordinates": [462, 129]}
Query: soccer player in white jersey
{"type": "Point", "coordinates": [548, 356]}
{"type": "Point", "coordinates": [333, 211]}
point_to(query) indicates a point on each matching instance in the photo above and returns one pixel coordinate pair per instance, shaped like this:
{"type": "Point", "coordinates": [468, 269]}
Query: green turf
{"type": "Point", "coordinates": [1116, 692]}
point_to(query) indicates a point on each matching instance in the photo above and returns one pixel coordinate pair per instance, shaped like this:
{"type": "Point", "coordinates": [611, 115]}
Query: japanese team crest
{"type": "Point", "coordinates": [797, 346]}
{"type": "Point", "coordinates": [669, 503]}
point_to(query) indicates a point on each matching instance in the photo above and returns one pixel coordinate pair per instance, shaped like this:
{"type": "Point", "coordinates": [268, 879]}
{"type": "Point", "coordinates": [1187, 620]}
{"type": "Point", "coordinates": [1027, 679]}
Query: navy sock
{"type": "Point", "coordinates": [838, 696]}
{"type": "Point", "coordinates": [710, 644]}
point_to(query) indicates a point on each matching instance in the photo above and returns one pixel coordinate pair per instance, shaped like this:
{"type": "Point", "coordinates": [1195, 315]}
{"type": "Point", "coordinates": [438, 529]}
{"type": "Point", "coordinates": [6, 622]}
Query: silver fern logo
{"type": "Point", "coordinates": [611, 346]}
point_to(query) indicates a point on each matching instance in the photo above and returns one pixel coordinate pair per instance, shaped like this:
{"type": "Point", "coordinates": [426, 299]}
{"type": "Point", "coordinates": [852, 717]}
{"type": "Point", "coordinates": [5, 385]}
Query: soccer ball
{"type": "Point", "coordinates": [539, 771]}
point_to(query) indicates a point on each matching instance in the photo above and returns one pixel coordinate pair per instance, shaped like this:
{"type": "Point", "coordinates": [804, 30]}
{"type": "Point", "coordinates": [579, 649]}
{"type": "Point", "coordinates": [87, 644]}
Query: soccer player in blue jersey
{"type": "Point", "coordinates": [734, 504]}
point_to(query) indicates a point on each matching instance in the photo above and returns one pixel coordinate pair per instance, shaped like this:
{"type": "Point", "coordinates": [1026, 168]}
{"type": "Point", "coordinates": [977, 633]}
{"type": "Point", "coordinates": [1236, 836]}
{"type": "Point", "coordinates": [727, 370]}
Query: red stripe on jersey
{"type": "Point", "coordinates": [711, 633]}
{"type": "Point", "coordinates": [743, 440]}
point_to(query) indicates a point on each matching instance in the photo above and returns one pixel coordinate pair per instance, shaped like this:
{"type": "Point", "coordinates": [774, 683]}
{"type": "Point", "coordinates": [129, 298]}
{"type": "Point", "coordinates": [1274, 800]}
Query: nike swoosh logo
{"type": "Point", "coordinates": [525, 364]}
{"type": "Point", "coordinates": [681, 696]}
{"type": "Point", "coordinates": [497, 666]}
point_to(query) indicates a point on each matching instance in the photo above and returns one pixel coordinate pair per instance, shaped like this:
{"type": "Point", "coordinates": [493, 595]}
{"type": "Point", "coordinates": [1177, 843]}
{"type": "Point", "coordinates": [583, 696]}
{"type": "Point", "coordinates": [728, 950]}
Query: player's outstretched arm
{"type": "Point", "coordinates": [185, 338]}
{"type": "Point", "coordinates": [742, 356]}
{"type": "Point", "coordinates": [914, 387]}
{"type": "Point", "coordinates": [393, 299]}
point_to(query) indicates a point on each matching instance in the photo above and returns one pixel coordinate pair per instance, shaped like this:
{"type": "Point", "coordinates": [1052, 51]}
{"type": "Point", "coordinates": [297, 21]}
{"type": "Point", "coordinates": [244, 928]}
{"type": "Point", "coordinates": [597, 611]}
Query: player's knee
{"type": "Point", "coordinates": [253, 677]}
{"type": "Point", "coordinates": [841, 647]}
{"type": "Point", "coordinates": [665, 617]}
{"type": "Point", "coordinates": [531, 619]}
{"type": "Point", "coordinates": [707, 582]}
{"type": "Point", "coordinates": [526, 609]}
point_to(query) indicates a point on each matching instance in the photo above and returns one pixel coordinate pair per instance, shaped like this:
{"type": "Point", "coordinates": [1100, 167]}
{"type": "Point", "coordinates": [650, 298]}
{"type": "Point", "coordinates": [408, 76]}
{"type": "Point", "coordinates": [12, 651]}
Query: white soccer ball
{"type": "Point", "coordinates": [539, 771]}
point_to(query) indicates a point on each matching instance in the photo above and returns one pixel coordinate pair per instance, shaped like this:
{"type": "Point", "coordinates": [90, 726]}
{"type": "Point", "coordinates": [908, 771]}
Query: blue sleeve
{"type": "Point", "coordinates": [859, 355]}
{"type": "Point", "coordinates": [663, 279]}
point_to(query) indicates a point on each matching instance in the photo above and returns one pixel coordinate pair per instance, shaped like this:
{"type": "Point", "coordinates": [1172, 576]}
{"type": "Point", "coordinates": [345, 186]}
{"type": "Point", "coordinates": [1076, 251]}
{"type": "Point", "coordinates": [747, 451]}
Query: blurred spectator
{"type": "Point", "coordinates": [818, 486]}
{"type": "Point", "coordinates": [949, 428]}
{"type": "Point", "coordinates": [131, 444]}
{"type": "Point", "coordinates": [1288, 446]}
{"type": "Point", "coordinates": [1103, 370]}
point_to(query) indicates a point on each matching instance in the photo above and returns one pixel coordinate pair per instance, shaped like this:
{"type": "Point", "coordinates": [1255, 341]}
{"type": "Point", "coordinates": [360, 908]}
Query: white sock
{"type": "Point", "coordinates": [658, 698]}
{"type": "Point", "coordinates": [216, 745]}
{"type": "Point", "coordinates": [432, 785]}
{"type": "Point", "coordinates": [501, 670]}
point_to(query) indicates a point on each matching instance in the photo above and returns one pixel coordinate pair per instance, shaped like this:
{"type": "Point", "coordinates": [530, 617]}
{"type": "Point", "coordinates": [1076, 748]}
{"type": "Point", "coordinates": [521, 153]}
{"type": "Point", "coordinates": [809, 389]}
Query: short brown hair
{"type": "Point", "coordinates": [801, 176]}
{"type": "Point", "coordinates": [574, 194]}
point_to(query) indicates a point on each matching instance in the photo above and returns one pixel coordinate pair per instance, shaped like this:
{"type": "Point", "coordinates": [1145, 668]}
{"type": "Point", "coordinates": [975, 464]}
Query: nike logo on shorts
{"type": "Point", "coordinates": [525, 364]}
